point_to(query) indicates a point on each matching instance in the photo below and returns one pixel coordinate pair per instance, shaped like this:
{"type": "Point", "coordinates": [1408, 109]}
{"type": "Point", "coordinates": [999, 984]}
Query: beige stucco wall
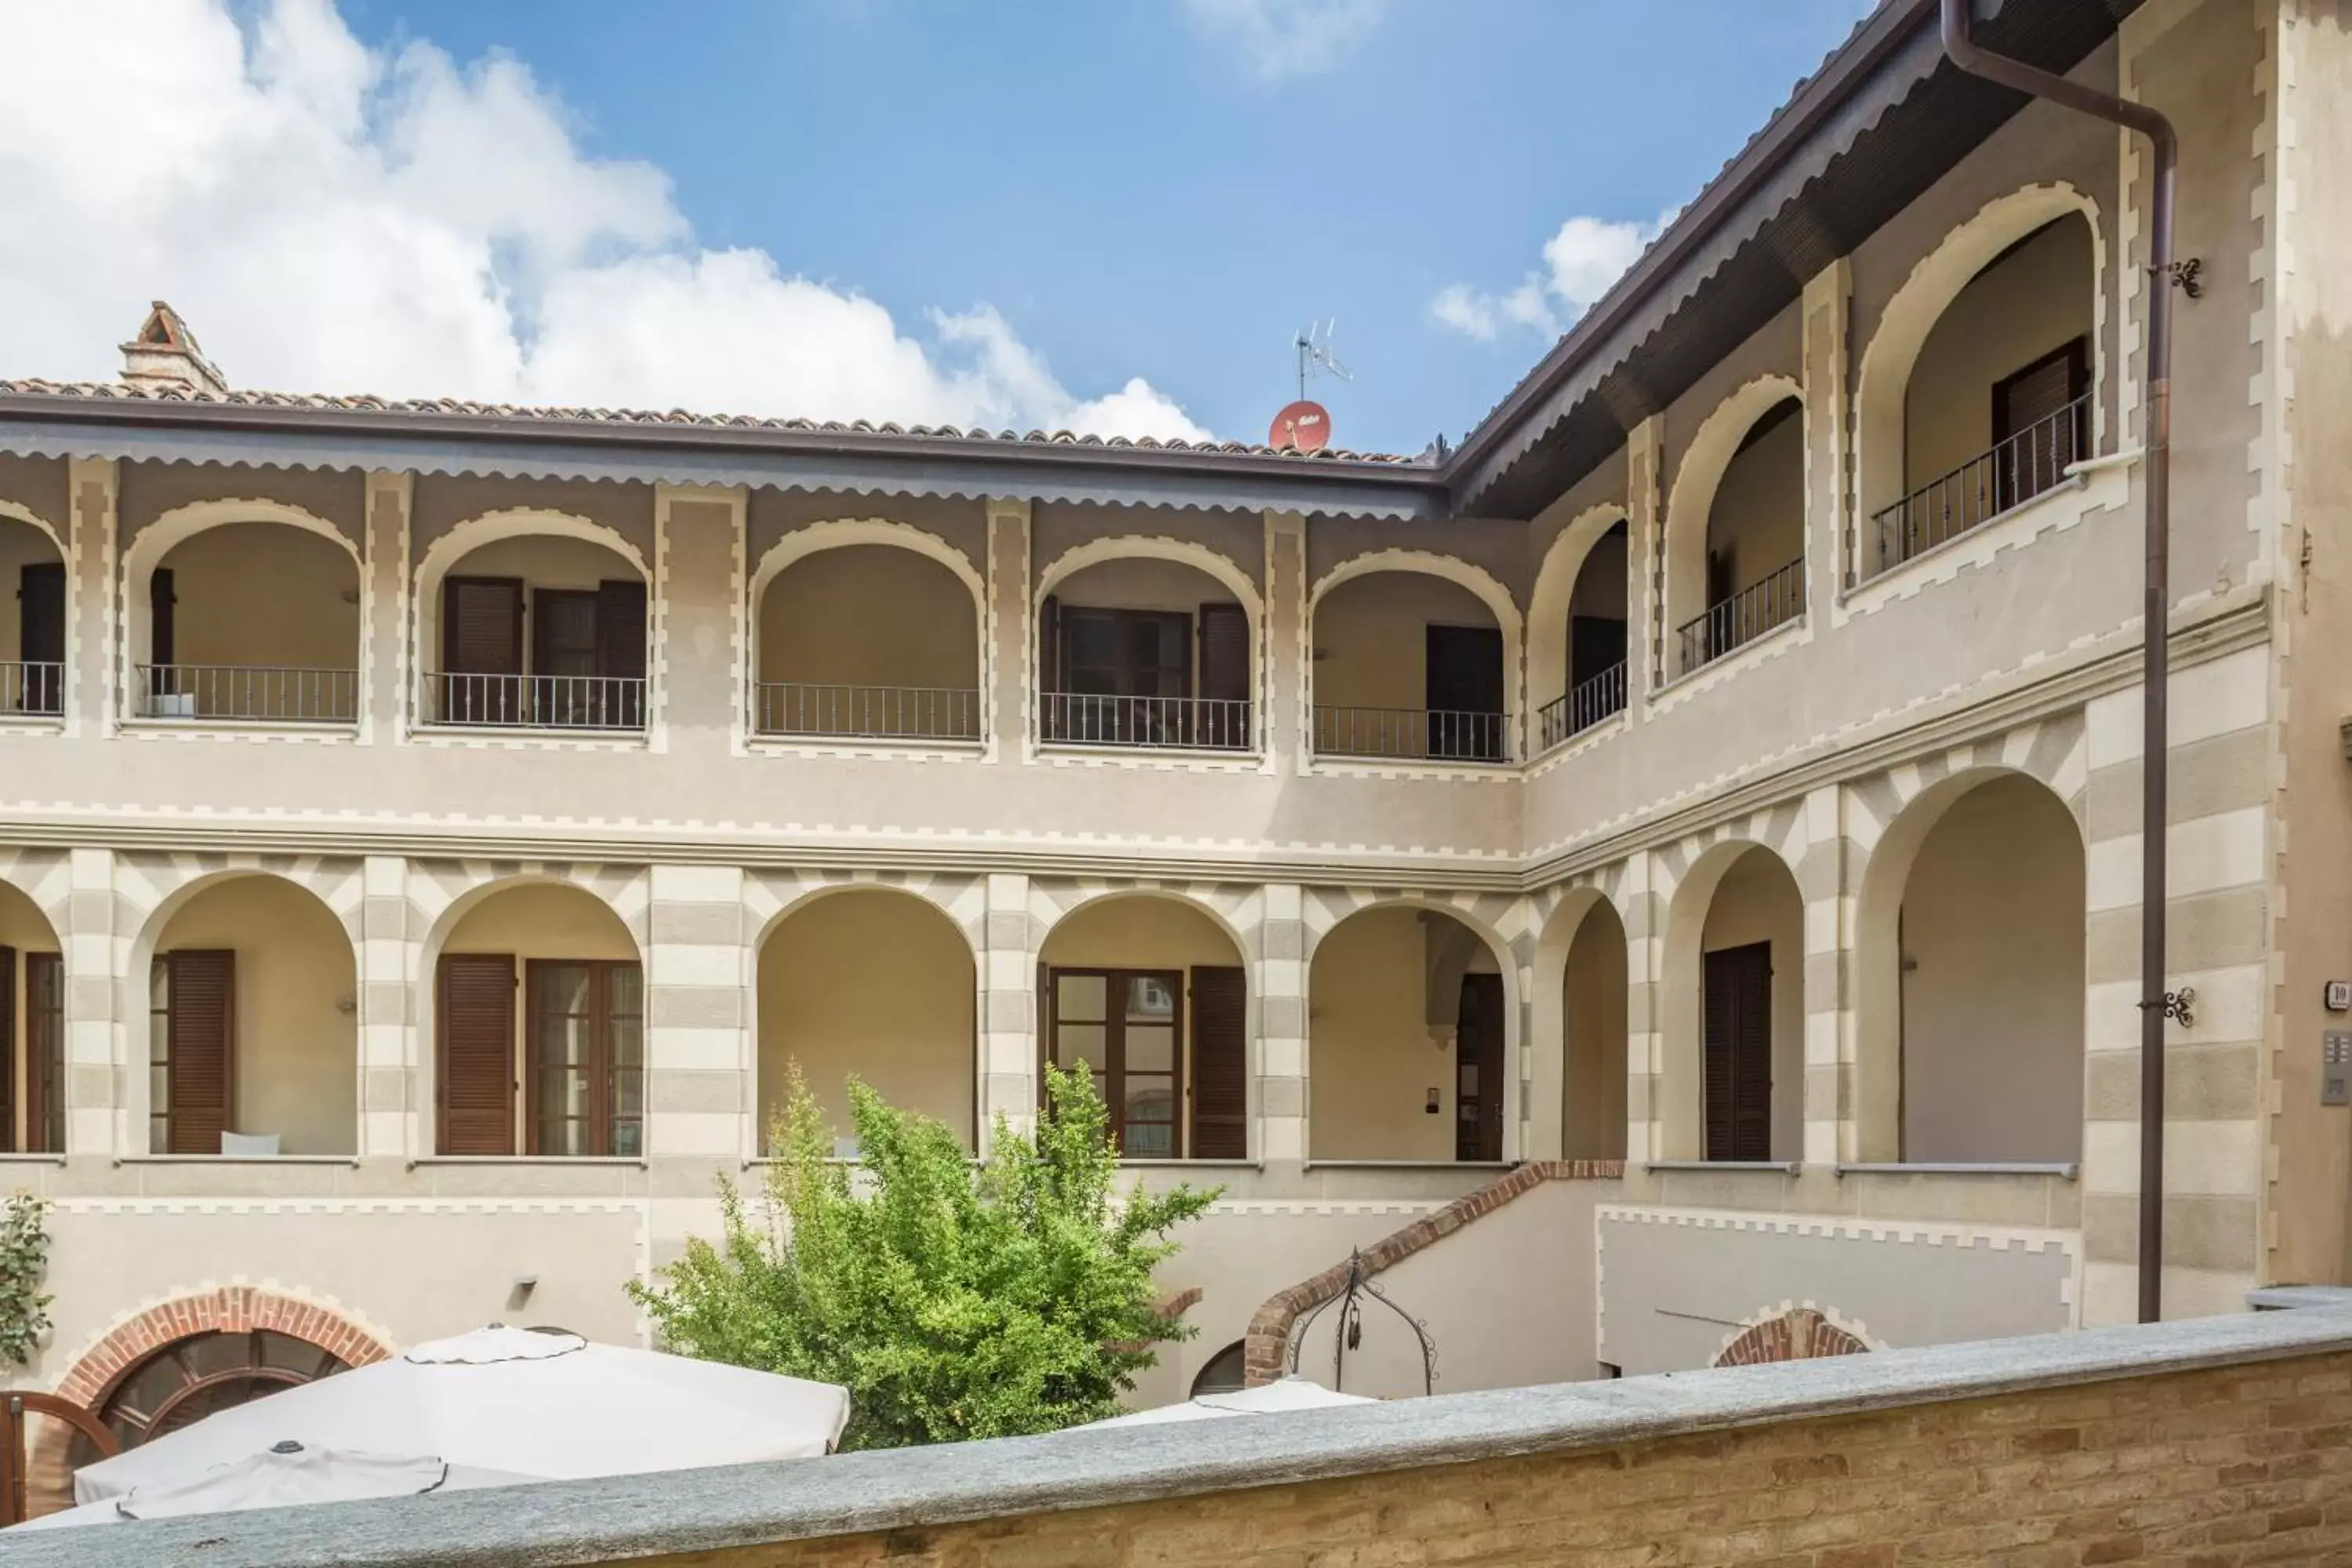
{"type": "Point", "coordinates": [296, 1067]}
{"type": "Point", "coordinates": [1375, 1059]}
{"type": "Point", "coordinates": [1758, 516]}
{"type": "Point", "coordinates": [26, 928]}
{"type": "Point", "coordinates": [546, 560]}
{"type": "Point", "coordinates": [1371, 649]}
{"type": "Point", "coordinates": [263, 594]}
{"type": "Point", "coordinates": [869, 615]}
{"type": "Point", "coordinates": [1757, 901]}
{"type": "Point", "coordinates": [875, 984]}
{"type": "Point", "coordinates": [21, 544]}
{"type": "Point", "coordinates": [2034, 299]}
{"type": "Point", "coordinates": [1993, 984]}
{"type": "Point", "coordinates": [1593, 1077]}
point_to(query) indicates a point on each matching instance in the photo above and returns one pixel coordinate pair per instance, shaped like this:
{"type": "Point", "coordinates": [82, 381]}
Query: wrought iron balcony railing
{"type": "Point", "coordinates": [537, 701]}
{"type": "Point", "coordinates": [1582, 706]}
{"type": "Point", "coordinates": [1778, 599]}
{"type": "Point", "coordinates": [248, 694]}
{"type": "Point", "coordinates": [1198, 723]}
{"type": "Point", "coordinates": [866, 713]}
{"type": "Point", "coordinates": [32, 686]}
{"type": "Point", "coordinates": [1436, 734]}
{"type": "Point", "coordinates": [2028, 464]}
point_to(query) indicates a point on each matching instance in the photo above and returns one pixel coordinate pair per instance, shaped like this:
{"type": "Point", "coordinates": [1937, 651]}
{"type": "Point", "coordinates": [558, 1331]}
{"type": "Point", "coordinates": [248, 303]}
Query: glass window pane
{"type": "Point", "coordinates": [159, 985]}
{"type": "Point", "coordinates": [628, 1094]}
{"type": "Point", "coordinates": [1150, 1097]}
{"type": "Point", "coordinates": [562, 987]}
{"type": "Point", "coordinates": [1148, 1141]}
{"type": "Point", "coordinates": [563, 1093]}
{"type": "Point", "coordinates": [628, 1036]}
{"type": "Point", "coordinates": [628, 1139]}
{"type": "Point", "coordinates": [159, 1038]}
{"type": "Point", "coordinates": [1079, 999]}
{"type": "Point", "coordinates": [159, 1090]}
{"type": "Point", "coordinates": [1075, 1043]}
{"type": "Point", "coordinates": [624, 989]}
{"type": "Point", "coordinates": [1149, 997]}
{"type": "Point", "coordinates": [1150, 1048]}
{"type": "Point", "coordinates": [559, 1135]}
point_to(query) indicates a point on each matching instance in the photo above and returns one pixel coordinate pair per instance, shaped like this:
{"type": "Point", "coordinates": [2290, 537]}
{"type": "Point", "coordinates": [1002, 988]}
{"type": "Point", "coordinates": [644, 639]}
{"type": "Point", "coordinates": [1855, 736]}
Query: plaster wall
{"type": "Point", "coordinates": [444, 502]}
{"type": "Point", "coordinates": [1758, 517]}
{"type": "Point", "coordinates": [1370, 638]}
{"type": "Point", "coordinates": [869, 615]}
{"type": "Point", "coordinates": [1601, 582]}
{"type": "Point", "coordinates": [1592, 1111]}
{"type": "Point", "coordinates": [770, 514]}
{"type": "Point", "coordinates": [148, 490]}
{"type": "Point", "coordinates": [21, 544]}
{"type": "Point", "coordinates": [875, 984]}
{"type": "Point", "coordinates": [296, 1052]}
{"type": "Point", "coordinates": [263, 594]}
{"type": "Point", "coordinates": [26, 928]}
{"type": "Point", "coordinates": [1376, 1059]}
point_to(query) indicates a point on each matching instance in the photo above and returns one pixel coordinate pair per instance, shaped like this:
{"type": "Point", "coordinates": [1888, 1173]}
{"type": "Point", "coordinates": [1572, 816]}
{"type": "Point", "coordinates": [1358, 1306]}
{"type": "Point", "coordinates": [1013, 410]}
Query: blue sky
{"type": "Point", "coordinates": [1163, 189]}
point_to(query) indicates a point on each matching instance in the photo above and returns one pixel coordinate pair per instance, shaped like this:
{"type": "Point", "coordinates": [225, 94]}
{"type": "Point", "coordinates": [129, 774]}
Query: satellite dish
{"type": "Point", "coordinates": [1301, 426]}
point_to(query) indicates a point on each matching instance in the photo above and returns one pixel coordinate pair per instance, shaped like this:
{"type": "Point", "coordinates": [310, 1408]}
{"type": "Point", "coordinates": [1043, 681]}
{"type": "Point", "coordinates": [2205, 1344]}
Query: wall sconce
{"type": "Point", "coordinates": [347, 1004]}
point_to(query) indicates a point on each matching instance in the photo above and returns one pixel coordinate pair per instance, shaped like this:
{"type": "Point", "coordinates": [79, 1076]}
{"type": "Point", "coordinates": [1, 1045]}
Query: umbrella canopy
{"type": "Point", "coordinates": [283, 1476]}
{"type": "Point", "coordinates": [549, 1405]}
{"type": "Point", "coordinates": [1271, 1398]}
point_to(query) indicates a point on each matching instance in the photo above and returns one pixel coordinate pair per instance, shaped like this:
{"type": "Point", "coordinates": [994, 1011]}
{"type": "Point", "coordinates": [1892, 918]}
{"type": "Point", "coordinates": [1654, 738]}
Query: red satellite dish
{"type": "Point", "coordinates": [1301, 426]}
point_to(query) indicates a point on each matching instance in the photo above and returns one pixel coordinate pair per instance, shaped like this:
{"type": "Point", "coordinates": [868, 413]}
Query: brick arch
{"type": "Point", "coordinates": [227, 1309]}
{"type": "Point", "coordinates": [1791, 1333]}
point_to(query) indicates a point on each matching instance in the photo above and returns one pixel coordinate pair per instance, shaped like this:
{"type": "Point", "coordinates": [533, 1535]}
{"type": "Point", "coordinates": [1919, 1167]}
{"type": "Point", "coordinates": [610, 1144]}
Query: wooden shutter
{"type": "Point", "coordinates": [481, 626]}
{"type": "Point", "coordinates": [8, 1049]}
{"type": "Point", "coordinates": [1220, 1064]}
{"type": "Point", "coordinates": [41, 612]}
{"type": "Point", "coordinates": [1740, 1053]}
{"type": "Point", "coordinates": [201, 1035]}
{"type": "Point", "coordinates": [162, 618]}
{"type": "Point", "coordinates": [476, 1024]}
{"type": "Point", "coordinates": [1225, 673]}
{"type": "Point", "coordinates": [1053, 721]}
{"type": "Point", "coordinates": [621, 645]}
{"type": "Point", "coordinates": [45, 1052]}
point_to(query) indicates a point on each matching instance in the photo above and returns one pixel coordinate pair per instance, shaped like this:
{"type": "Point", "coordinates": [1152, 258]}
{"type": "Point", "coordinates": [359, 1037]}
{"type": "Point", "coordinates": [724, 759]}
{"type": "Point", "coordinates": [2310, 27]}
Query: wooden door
{"type": "Point", "coordinates": [1478, 1069]}
{"type": "Point", "coordinates": [1463, 690]}
{"type": "Point", "coordinates": [1740, 1052]}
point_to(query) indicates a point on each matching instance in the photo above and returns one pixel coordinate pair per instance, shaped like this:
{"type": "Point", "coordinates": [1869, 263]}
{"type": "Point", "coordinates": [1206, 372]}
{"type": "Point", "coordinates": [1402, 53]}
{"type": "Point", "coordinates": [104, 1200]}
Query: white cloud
{"type": "Point", "coordinates": [1276, 40]}
{"type": "Point", "coordinates": [1581, 260]}
{"type": "Point", "coordinates": [331, 218]}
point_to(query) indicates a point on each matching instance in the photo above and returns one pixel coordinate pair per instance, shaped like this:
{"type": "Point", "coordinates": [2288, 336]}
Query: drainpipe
{"type": "Point", "coordinates": [2156, 1003]}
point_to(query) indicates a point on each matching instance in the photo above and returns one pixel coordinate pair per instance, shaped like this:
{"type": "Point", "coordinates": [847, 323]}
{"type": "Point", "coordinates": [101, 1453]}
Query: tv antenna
{"type": "Point", "coordinates": [1314, 346]}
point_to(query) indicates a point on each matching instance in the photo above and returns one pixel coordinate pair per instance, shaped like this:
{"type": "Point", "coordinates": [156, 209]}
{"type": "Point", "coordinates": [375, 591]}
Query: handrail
{"type": "Point", "coordinates": [33, 685]}
{"type": "Point", "coordinates": [866, 713]}
{"type": "Point", "coordinates": [1436, 734]}
{"type": "Point", "coordinates": [1173, 723]}
{"type": "Point", "coordinates": [282, 694]}
{"type": "Point", "coordinates": [1582, 706]}
{"type": "Point", "coordinates": [1776, 598]}
{"type": "Point", "coordinates": [2010, 473]}
{"type": "Point", "coordinates": [536, 701]}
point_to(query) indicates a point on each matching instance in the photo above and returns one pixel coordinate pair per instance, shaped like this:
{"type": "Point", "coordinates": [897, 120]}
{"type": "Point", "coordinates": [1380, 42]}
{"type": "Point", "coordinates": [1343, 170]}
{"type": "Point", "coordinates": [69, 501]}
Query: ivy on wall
{"type": "Point", "coordinates": [24, 1261]}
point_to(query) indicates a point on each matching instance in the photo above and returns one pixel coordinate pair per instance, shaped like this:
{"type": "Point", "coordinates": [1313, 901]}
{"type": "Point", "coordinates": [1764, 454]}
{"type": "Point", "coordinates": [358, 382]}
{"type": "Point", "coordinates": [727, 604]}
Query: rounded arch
{"type": "Point", "coordinates": [817, 537]}
{"type": "Point", "coordinates": [19, 512]}
{"type": "Point", "coordinates": [1094, 900]}
{"type": "Point", "coordinates": [152, 544]}
{"type": "Point", "coordinates": [1678, 1101]}
{"type": "Point", "coordinates": [1883, 958]}
{"type": "Point", "coordinates": [1579, 1016]}
{"type": "Point", "coordinates": [1884, 378]}
{"type": "Point", "coordinates": [874, 978]}
{"type": "Point", "coordinates": [1790, 1332]}
{"type": "Point", "coordinates": [1699, 477]}
{"type": "Point", "coordinates": [1547, 605]}
{"type": "Point", "coordinates": [1481, 583]}
{"type": "Point", "coordinates": [512, 522]}
{"type": "Point", "coordinates": [1184, 552]}
{"type": "Point", "coordinates": [1392, 998]}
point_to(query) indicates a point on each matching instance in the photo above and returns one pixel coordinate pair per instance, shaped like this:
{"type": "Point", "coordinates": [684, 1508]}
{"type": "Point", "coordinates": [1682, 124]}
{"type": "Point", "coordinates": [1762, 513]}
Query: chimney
{"type": "Point", "coordinates": [164, 356]}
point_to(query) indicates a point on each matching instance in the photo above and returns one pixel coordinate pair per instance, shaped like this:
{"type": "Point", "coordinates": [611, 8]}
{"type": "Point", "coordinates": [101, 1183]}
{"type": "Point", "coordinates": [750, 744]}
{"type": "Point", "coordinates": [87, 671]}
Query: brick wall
{"type": "Point", "coordinates": [2242, 1465]}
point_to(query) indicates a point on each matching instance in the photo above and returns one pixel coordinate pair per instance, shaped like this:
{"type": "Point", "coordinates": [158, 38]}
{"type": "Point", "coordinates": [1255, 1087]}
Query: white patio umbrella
{"type": "Point", "coordinates": [1267, 1399]}
{"type": "Point", "coordinates": [550, 1406]}
{"type": "Point", "coordinates": [283, 1476]}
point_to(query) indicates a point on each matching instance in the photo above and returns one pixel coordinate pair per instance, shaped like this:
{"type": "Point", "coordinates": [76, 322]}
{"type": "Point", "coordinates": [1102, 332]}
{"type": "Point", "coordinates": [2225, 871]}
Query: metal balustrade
{"type": "Point", "coordinates": [32, 686]}
{"type": "Point", "coordinates": [1778, 599]}
{"type": "Point", "coordinates": [537, 701]}
{"type": "Point", "coordinates": [2026, 465]}
{"type": "Point", "coordinates": [1582, 706]}
{"type": "Point", "coordinates": [247, 693]}
{"type": "Point", "coordinates": [1198, 723]}
{"type": "Point", "coordinates": [1434, 734]}
{"type": "Point", "coordinates": [866, 713]}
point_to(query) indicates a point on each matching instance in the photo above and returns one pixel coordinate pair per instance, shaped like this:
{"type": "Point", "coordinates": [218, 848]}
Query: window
{"type": "Point", "coordinates": [587, 664]}
{"type": "Point", "coordinates": [1740, 1052]}
{"type": "Point", "coordinates": [1125, 678]}
{"type": "Point", "coordinates": [191, 1036]}
{"type": "Point", "coordinates": [585, 1057]}
{"type": "Point", "coordinates": [1464, 692]}
{"type": "Point", "coordinates": [1478, 1069]}
{"type": "Point", "coordinates": [1125, 1026]}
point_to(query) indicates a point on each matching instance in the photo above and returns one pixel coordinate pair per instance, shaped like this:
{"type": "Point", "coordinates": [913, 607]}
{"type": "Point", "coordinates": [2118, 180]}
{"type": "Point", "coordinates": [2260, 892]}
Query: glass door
{"type": "Point", "coordinates": [1126, 1030]}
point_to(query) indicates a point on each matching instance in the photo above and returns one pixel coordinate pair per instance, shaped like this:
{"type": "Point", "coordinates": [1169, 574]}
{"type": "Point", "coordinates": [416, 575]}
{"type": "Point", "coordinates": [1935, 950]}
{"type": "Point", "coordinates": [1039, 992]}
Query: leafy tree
{"type": "Point", "coordinates": [952, 1304]}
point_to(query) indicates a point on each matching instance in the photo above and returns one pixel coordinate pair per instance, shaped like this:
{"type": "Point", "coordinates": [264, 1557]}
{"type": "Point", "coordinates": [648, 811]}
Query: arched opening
{"type": "Point", "coordinates": [1411, 1040]}
{"type": "Point", "coordinates": [1749, 566]}
{"type": "Point", "coordinates": [1149, 994]}
{"type": "Point", "coordinates": [869, 640]}
{"type": "Point", "coordinates": [252, 1024]}
{"type": "Point", "coordinates": [255, 620]}
{"type": "Point", "coordinates": [1972, 978]}
{"type": "Point", "coordinates": [32, 620]}
{"type": "Point", "coordinates": [32, 1028]}
{"type": "Point", "coordinates": [875, 983]}
{"type": "Point", "coordinates": [1227, 1372]}
{"type": "Point", "coordinates": [1410, 664]}
{"type": "Point", "coordinates": [540, 984]}
{"type": "Point", "coordinates": [1592, 1014]}
{"type": "Point", "coordinates": [537, 629]}
{"type": "Point", "coordinates": [1734, 1010]}
{"type": "Point", "coordinates": [204, 1373]}
{"type": "Point", "coordinates": [1146, 651]}
{"type": "Point", "coordinates": [1995, 402]}
{"type": "Point", "coordinates": [1596, 641]}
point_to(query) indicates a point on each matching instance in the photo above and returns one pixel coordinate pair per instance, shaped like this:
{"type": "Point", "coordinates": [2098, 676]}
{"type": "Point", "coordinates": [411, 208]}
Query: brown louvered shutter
{"type": "Point", "coordinates": [1220, 1064]}
{"type": "Point", "coordinates": [477, 1066]}
{"type": "Point", "coordinates": [621, 645]}
{"type": "Point", "coordinates": [8, 1049]}
{"type": "Point", "coordinates": [45, 1053]}
{"type": "Point", "coordinates": [1740, 1053]}
{"type": "Point", "coordinates": [1224, 675]}
{"type": "Point", "coordinates": [201, 1035]}
{"type": "Point", "coordinates": [41, 633]}
{"type": "Point", "coordinates": [1053, 717]}
{"type": "Point", "coordinates": [481, 626]}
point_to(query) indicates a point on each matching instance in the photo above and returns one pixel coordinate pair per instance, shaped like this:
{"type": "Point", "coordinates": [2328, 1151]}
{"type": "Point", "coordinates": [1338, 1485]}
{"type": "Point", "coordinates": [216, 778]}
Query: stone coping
{"type": "Point", "coordinates": [576, 1522]}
